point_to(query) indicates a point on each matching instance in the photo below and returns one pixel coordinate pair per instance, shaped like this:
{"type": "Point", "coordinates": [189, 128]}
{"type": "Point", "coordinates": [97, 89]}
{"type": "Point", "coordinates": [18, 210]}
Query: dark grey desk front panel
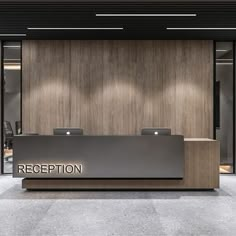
{"type": "Point", "coordinates": [99, 156]}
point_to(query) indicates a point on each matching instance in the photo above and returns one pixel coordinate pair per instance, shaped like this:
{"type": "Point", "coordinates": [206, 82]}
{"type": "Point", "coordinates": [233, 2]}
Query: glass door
{"type": "Point", "coordinates": [224, 103]}
{"type": "Point", "coordinates": [11, 100]}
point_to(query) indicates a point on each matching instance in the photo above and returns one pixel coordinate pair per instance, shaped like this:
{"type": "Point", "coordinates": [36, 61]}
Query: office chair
{"type": "Point", "coordinates": [8, 139]}
{"type": "Point", "coordinates": [18, 127]}
{"type": "Point", "coordinates": [8, 134]}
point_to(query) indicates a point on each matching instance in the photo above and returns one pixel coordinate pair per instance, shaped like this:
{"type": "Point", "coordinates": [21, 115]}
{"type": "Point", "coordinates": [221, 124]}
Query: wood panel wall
{"type": "Point", "coordinates": [118, 87]}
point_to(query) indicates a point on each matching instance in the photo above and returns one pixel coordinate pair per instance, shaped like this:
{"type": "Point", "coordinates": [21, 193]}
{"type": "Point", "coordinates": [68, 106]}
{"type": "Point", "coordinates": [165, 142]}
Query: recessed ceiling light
{"type": "Point", "coordinates": [145, 15]}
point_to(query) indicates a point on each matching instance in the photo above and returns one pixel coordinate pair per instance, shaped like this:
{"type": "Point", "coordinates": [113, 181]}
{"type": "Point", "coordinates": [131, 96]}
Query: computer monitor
{"type": "Point", "coordinates": [156, 131]}
{"type": "Point", "coordinates": [68, 131]}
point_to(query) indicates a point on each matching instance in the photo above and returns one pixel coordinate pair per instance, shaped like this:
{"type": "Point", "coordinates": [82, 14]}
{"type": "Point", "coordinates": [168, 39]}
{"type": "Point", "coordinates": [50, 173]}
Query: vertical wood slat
{"type": "Point", "coordinates": [118, 87]}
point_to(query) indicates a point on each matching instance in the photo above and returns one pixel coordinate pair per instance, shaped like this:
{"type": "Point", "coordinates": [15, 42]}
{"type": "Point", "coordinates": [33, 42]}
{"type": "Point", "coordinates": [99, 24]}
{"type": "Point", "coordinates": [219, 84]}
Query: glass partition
{"type": "Point", "coordinates": [11, 99]}
{"type": "Point", "coordinates": [224, 104]}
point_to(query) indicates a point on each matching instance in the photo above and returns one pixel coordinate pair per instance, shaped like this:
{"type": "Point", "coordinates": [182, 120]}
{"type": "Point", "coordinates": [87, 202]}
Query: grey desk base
{"type": "Point", "coordinates": [99, 157]}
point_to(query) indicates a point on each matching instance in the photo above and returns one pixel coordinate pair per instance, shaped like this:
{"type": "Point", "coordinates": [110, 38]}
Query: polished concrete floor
{"type": "Point", "coordinates": [8, 166]}
{"type": "Point", "coordinates": [117, 212]}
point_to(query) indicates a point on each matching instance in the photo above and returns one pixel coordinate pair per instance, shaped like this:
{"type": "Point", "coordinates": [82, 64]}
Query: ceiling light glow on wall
{"type": "Point", "coordinates": [145, 15]}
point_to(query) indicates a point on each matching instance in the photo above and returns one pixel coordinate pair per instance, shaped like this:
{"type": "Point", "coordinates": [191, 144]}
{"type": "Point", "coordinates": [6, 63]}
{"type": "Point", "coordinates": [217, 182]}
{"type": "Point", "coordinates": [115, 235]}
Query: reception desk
{"type": "Point", "coordinates": [116, 162]}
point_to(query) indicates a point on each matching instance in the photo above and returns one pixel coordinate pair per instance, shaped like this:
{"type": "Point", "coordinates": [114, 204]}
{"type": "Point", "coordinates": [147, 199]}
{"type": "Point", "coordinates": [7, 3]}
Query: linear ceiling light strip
{"type": "Point", "coordinates": [224, 63]}
{"type": "Point", "coordinates": [146, 15]}
{"type": "Point", "coordinates": [13, 35]}
{"type": "Point", "coordinates": [201, 28]}
{"type": "Point", "coordinates": [96, 28]}
{"type": "Point", "coordinates": [222, 50]}
{"type": "Point", "coordinates": [11, 46]}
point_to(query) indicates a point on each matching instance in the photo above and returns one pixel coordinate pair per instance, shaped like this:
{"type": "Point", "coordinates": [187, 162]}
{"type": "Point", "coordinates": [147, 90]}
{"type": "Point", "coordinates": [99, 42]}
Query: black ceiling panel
{"type": "Point", "coordinates": [17, 17]}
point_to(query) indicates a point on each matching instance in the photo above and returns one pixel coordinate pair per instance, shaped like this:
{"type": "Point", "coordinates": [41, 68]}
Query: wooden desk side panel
{"type": "Point", "coordinates": [202, 159]}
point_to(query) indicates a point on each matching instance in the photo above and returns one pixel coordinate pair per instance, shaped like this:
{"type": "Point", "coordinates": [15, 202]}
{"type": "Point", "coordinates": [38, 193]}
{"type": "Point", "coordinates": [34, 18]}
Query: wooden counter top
{"type": "Point", "coordinates": [200, 139]}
